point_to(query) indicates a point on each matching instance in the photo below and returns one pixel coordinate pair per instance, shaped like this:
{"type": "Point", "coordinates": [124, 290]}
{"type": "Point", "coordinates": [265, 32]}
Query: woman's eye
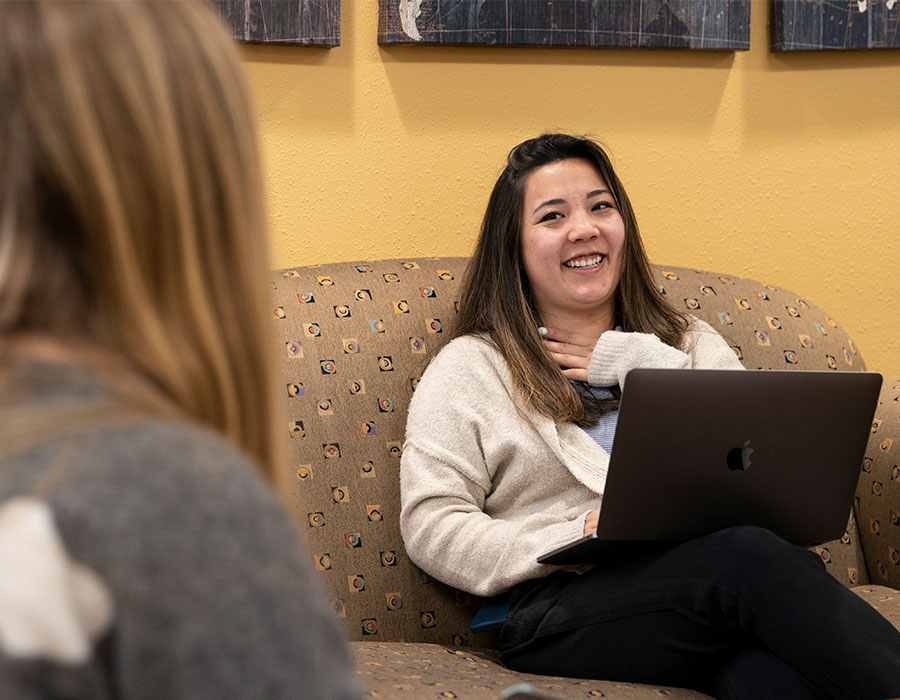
{"type": "Point", "coordinates": [599, 206]}
{"type": "Point", "coordinates": [550, 216]}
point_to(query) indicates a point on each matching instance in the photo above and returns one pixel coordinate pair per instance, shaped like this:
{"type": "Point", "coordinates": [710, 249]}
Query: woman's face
{"type": "Point", "coordinates": [573, 241]}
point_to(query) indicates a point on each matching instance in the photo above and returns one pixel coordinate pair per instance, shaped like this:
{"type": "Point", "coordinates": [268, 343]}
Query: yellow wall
{"type": "Point", "coordinates": [782, 168]}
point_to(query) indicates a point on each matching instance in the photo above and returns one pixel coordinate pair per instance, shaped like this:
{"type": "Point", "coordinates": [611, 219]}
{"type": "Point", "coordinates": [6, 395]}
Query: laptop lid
{"type": "Point", "coordinates": [700, 450]}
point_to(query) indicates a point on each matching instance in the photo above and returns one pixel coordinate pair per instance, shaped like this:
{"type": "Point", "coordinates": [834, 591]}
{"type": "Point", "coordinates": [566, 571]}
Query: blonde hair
{"type": "Point", "coordinates": [131, 204]}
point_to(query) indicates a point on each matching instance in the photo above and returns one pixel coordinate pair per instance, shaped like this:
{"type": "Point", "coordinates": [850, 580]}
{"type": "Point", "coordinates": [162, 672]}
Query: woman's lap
{"type": "Point", "coordinates": [681, 615]}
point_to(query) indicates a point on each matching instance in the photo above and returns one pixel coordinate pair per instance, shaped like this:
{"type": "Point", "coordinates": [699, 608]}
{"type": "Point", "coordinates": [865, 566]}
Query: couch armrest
{"type": "Point", "coordinates": [878, 494]}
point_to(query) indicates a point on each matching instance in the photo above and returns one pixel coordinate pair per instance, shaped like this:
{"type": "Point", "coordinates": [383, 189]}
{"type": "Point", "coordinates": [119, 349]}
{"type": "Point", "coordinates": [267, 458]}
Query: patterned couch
{"type": "Point", "coordinates": [354, 340]}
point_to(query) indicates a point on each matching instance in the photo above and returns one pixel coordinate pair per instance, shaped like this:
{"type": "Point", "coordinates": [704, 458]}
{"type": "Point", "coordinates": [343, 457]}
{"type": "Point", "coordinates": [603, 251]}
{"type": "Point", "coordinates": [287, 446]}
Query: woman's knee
{"type": "Point", "coordinates": [749, 548]}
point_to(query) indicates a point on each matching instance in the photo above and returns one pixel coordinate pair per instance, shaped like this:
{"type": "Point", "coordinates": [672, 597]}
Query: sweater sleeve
{"type": "Point", "coordinates": [452, 453]}
{"type": "Point", "coordinates": [617, 352]}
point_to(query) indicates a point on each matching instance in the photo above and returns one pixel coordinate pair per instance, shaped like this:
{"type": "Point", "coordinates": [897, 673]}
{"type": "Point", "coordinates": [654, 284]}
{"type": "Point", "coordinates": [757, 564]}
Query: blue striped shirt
{"type": "Point", "coordinates": [605, 431]}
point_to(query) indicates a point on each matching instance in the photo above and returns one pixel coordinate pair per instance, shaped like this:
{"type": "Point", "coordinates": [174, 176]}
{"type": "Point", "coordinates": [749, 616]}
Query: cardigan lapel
{"type": "Point", "coordinates": [577, 451]}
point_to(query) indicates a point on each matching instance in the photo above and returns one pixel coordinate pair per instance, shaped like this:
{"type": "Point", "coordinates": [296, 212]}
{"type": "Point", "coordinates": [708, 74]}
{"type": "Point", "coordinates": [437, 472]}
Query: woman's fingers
{"type": "Point", "coordinates": [577, 375]}
{"type": "Point", "coordinates": [590, 522]}
{"type": "Point", "coordinates": [568, 355]}
{"type": "Point", "coordinates": [573, 366]}
{"type": "Point", "coordinates": [572, 351]}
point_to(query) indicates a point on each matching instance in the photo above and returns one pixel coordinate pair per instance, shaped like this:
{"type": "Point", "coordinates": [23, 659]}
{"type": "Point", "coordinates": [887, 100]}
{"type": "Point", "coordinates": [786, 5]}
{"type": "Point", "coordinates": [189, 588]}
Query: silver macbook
{"type": "Point", "coordinates": [697, 451]}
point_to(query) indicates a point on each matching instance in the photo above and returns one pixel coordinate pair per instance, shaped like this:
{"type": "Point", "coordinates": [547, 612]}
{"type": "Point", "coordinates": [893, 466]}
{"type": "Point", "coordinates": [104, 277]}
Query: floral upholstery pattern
{"type": "Point", "coordinates": [354, 339]}
{"type": "Point", "coordinates": [768, 327]}
{"type": "Point", "coordinates": [884, 599]}
{"type": "Point", "coordinates": [878, 493]}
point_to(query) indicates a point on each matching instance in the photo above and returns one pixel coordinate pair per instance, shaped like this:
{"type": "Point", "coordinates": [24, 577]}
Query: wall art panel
{"type": "Point", "coordinates": [818, 25]}
{"type": "Point", "coordinates": [690, 24]}
{"type": "Point", "coordinates": [305, 22]}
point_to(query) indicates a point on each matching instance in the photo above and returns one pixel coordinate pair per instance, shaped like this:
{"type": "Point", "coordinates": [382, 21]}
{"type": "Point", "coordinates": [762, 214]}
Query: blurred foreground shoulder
{"type": "Point", "coordinates": [213, 595]}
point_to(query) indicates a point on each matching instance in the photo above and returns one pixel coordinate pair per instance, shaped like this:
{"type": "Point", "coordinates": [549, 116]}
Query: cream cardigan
{"type": "Point", "coordinates": [485, 489]}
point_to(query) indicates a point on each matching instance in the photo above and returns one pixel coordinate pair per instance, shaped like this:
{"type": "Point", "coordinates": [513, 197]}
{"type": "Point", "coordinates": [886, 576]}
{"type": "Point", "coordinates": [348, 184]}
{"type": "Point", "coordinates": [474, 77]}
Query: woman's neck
{"type": "Point", "coordinates": [583, 325]}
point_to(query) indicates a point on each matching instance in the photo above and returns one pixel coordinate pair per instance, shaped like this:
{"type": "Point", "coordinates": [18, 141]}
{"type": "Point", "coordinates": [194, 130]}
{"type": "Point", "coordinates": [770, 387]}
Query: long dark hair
{"type": "Point", "coordinates": [497, 300]}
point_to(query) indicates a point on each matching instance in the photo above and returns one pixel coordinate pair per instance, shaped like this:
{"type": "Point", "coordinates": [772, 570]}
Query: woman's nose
{"type": "Point", "coordinates": [582, 226]}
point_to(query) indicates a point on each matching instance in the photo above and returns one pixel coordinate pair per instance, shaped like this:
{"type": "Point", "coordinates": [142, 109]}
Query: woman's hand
{"type": "Point", "coordinates": [590, 522]}
{"type": "Point", "coordinates": [571, 350]}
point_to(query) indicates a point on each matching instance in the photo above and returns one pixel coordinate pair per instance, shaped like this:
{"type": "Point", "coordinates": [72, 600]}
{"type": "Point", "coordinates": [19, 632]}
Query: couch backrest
{"type": "Point", "coordinates": [354, 340]}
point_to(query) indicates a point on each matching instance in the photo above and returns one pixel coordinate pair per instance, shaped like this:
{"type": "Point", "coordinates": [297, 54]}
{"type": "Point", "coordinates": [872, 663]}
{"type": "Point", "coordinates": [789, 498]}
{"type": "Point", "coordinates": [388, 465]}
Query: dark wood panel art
{"type": "Point", "coordinates": [816, 25]}
{"type": "Point", "coordinates": [693, 24]}
{"type": "Point", "coordinates": [309, 22]}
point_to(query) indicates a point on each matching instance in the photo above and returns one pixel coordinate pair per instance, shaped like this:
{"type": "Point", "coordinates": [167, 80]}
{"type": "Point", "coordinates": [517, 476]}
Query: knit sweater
{"type": "Point", "coordinates": [487, 485]}
{"type": "Point", "coordinates": [211, 594]}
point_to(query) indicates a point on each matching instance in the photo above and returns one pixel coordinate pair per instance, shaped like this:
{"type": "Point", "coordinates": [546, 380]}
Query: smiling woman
{"type": "Point", "coordinates": [508, 443]}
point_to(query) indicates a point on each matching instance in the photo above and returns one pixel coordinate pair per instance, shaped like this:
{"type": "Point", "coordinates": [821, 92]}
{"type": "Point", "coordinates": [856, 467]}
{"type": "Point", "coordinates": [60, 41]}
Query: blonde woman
{"type": "Point", "coordinates": [136, 407]}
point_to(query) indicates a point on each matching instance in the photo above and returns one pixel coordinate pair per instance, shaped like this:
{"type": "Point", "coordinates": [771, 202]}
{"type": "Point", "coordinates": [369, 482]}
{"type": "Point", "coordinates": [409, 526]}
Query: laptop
{"type": "Point", "coordinates": [697, 451]}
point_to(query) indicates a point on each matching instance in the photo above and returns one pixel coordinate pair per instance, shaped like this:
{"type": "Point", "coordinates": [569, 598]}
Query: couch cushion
{"type": "Point", "coordinates": [418, 671]}
{"type": "Point", "coordinates": [398, 670]}
{"type": "Point", "coordinates": [884, 599]}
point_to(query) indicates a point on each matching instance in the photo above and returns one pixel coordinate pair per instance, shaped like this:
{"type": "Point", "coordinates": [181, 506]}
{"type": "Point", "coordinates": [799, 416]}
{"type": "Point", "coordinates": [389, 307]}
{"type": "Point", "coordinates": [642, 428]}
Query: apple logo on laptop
{"type": "Point", "coordinates": [738, 458]}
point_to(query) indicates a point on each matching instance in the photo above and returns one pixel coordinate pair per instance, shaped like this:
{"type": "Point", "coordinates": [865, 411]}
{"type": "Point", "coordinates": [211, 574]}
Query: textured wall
{"type": "Point", "coordinates": [779, 167]}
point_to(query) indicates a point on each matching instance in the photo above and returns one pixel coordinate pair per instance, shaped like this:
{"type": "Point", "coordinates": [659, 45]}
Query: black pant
{"type": "Point", "coordinates": [737, 614]}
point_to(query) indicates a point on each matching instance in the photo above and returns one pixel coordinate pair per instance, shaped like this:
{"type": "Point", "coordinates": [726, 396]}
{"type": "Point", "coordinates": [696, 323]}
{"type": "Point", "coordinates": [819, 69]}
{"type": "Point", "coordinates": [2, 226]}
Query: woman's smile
{"type": "Point", "coordinates": [590, 262]}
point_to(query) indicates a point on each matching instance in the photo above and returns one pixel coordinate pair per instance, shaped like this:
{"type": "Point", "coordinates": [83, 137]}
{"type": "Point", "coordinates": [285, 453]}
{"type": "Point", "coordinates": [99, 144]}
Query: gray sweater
{"type": "Point", "coordinates": [213, 596]}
